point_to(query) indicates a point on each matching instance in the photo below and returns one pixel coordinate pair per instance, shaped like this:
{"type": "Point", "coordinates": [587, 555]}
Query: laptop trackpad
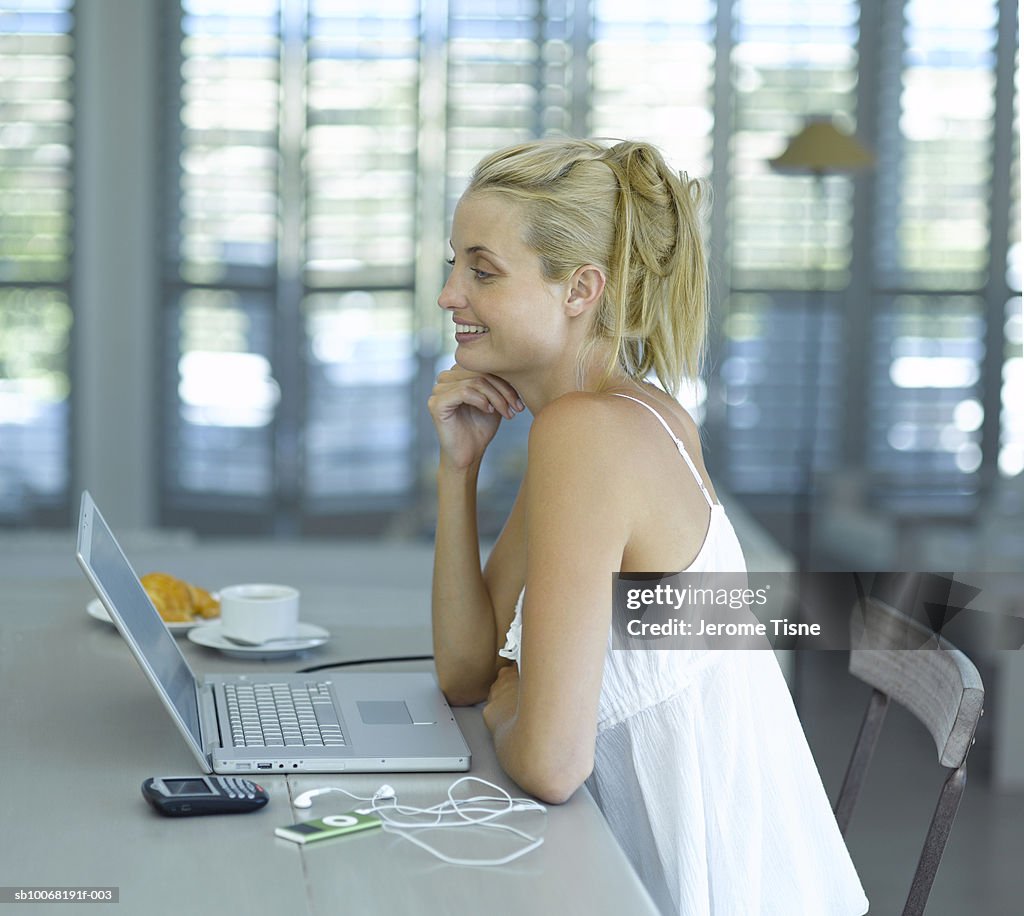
{"type": "Point", "coordinates": [392, 712]}
{"type": "Point", "coordinates": [384, 712]}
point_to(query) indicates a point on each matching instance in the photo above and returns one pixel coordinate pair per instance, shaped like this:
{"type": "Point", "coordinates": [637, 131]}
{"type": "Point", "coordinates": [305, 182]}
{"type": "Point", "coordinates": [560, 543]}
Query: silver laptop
{"type": "Point", "coordinates": [273, 722]}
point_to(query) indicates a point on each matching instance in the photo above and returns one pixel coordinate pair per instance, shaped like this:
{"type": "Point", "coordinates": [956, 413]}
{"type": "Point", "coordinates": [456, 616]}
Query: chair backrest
{"type": "Point", "coordinates": [905, 661]}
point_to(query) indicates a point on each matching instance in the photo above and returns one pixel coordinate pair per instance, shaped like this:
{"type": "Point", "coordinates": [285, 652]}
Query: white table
{"type": "Point", "coordinates": [82, 728]}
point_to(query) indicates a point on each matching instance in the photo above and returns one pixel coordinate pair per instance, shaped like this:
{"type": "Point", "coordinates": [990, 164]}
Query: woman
{"type": "Point", "coordinates": [578, 270]}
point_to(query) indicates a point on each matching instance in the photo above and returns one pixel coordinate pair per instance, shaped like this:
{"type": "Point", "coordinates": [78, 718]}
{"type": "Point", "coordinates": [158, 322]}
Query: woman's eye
{"type": "Point", "coordinates": [475, 271]}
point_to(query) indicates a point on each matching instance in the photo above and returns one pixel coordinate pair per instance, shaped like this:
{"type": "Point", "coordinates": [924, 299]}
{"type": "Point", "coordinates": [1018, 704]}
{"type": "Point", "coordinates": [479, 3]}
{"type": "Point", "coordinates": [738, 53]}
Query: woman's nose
{"type": "Point", "coordinates": [450, 297]}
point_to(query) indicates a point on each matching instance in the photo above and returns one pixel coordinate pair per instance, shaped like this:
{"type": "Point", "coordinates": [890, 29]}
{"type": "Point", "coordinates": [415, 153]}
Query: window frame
{"type": "Point", "coordinates": [855, 305]}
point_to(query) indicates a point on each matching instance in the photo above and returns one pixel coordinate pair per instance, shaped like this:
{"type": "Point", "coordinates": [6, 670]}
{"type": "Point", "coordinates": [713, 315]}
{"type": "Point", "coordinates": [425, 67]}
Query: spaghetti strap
{"type": "Point", "coordinates": [677, 441]}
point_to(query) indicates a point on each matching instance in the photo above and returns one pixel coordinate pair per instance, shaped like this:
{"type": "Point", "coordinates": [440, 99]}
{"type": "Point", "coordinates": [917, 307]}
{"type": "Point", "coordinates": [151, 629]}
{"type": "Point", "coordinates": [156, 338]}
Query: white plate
{"type": "Point", "coordinates": [309, 636]}
{"type": "Point", "coordinates": [97, 611]}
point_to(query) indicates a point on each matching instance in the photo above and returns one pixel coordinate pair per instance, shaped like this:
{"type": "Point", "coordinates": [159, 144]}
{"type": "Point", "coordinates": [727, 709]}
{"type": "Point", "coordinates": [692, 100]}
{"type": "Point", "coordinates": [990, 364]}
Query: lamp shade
{"type": "Point", "coordinates": [822, 148]}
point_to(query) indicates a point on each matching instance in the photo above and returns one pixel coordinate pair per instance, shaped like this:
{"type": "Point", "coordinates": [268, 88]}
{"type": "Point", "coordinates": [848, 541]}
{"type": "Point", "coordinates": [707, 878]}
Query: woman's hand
{"type": "Point", "coordinates": [503, 700]}
{"type": "Point", "coordinates": [467, 408]}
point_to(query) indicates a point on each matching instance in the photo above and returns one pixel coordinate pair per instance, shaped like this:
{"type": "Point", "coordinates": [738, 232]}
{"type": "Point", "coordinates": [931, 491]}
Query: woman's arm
{"type": "Point", "coordinates": [466, 409]}
{"type": "Point", "coordinates": [472, 612]}
{"type": "Point", "coordinates": [463, 615]}
{"type": "Point", "coordinates": [578, 520]}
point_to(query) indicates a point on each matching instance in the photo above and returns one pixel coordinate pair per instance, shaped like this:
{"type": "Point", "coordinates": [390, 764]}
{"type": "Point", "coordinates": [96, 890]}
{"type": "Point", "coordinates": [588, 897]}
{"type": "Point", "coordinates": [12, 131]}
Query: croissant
{"type": "Point", "coordinates": [203, 603]}
{"type": "Point", "coordinates": [178, 601]}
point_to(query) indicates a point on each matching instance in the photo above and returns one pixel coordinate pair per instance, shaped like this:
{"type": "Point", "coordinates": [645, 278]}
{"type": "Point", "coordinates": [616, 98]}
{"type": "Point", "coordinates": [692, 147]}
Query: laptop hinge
{"type": "Point", "coordinates": [208, 720]}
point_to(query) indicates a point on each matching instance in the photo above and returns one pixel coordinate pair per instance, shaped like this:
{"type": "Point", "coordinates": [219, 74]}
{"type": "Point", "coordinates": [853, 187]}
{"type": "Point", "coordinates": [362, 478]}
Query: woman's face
{"type": "Point", "coordinates": [508, 318]}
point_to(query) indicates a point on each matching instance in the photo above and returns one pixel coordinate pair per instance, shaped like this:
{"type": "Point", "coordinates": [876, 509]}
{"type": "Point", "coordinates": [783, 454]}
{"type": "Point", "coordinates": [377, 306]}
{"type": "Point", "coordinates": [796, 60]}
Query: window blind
{"type": "Point", "coordinates": [318, 149]}
{"type": "Point", "coordinates": [673, 46]}
{"type": "Point", "coordinates": [359, 168]}
{"type": "Point", "coordinates": [508, 68]}
{"type": "Point", "coordinates": [36, 167]}
{"type": "Point", "coordinates": [220, 257]}
{"type": "Point", "coordinates": [788, 248]}
{"type": "Point", "coordinates": [1011, 447]}
{"type": "Point", "coordinates": [935, 154]}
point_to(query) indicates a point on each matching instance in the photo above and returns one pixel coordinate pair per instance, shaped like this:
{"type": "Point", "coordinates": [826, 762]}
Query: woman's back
{"type": "Point", "coordinates": [650, 476]}
{"type": "Point", "coordinates": [673, 485]}
{"type": "Point", "coordinates": [703, 773]}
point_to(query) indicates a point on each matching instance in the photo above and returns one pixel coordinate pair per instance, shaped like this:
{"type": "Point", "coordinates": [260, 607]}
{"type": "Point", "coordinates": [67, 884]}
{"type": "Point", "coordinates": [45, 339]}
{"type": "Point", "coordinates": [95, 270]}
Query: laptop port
{"type": "Point", "coordinates": [264, 766]}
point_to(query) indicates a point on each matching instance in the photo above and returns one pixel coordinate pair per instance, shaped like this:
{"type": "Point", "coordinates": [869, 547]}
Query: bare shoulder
{"type": "Point", "coordinates": [574, 485]}
{"type": "Point", "coordinates": [579, 420]}
{"type": "Point", "coordinates": [616, 434]}
{"type": "Point", "coordinates": [578, 447]}
{"type": "Point", "coordinates": [607, 421]}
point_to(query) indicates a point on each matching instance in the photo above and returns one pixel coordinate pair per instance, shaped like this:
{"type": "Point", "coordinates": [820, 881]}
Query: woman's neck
{"type": "Point", "coordinates": [537, 391]}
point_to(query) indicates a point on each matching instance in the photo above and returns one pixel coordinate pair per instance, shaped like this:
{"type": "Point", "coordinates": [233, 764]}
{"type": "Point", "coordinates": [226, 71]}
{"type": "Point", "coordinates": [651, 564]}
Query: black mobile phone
{"type": "Point", "coordinates": [183, 796]}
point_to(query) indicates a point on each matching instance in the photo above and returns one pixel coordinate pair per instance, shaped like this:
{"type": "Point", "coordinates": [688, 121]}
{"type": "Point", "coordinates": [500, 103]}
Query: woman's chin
{"type": "Point", "coordinates": [465, 358]}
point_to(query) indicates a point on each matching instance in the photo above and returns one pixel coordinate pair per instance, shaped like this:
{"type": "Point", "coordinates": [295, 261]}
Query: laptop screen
{"type": "Point", "coordinates": [154, 645]}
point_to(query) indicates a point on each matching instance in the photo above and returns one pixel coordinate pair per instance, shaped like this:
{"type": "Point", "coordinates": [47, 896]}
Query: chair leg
{"type": "Point", "coordinates": [935, 841]}
{"type": "Point", "coordinates": [867, 738]}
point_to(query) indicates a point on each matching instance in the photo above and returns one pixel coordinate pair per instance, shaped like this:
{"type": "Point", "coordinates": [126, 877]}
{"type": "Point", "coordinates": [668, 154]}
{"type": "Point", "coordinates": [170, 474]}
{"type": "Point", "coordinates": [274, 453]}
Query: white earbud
{"type": "Point", "coordinates": [305, 800]}
{"type": "Point", "coordinates": [529, 806]}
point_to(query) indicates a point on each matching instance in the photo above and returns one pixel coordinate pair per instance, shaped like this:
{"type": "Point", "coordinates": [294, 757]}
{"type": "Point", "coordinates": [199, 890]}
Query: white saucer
{"type": "Point", "coordinates": [309, 636]}
{"type": "Point", "coordinates": [97, 611]}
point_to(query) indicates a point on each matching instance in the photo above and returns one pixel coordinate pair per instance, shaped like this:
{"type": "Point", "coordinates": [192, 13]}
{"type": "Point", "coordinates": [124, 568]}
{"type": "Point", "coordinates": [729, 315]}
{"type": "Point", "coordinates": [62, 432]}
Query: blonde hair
{"type": "Point", "coordinates": [620, 208]}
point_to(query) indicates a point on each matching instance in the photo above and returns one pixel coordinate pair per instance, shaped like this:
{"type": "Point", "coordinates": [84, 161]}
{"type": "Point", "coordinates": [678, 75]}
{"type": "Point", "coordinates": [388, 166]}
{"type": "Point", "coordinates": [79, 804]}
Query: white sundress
{"type": "Point", "coordinates": [703, 772]}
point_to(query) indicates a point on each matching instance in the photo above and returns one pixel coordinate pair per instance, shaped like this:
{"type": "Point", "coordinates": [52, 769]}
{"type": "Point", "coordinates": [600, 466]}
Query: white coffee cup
{"type": "Point", "coordinates": [259, 612]}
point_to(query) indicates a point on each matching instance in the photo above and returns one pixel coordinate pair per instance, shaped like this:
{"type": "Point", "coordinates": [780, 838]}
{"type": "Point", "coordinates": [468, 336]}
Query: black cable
{"type": "Point", "coordinates": [366, 661]}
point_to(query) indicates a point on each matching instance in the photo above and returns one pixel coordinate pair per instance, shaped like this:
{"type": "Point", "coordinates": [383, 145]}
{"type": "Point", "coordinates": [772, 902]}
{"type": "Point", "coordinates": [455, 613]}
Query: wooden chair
{"type": "Point", "coordinates": [906, 662]}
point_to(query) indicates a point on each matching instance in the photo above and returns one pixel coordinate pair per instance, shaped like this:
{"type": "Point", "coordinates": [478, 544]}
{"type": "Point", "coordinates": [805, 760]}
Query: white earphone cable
{"type": "Point", "coordinates": [460, 808]}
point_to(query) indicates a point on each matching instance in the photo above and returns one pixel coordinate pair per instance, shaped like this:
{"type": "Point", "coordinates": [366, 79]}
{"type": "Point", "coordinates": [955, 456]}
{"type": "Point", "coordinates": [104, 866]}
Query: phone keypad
{"type": "Point", "coordinates": [236, 787]}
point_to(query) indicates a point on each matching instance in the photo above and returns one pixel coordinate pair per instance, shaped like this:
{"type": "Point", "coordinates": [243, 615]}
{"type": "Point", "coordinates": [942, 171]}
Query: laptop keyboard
{"type": "Point", "coordinates": [283, 715]}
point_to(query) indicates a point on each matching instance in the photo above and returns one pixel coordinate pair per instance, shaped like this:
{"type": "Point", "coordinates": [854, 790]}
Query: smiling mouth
{"type": "Point", "coordinates": [470, 329]}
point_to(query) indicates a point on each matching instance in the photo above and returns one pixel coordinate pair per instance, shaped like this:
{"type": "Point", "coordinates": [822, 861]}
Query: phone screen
{"type": "Point", "coordinates": [188, 787]}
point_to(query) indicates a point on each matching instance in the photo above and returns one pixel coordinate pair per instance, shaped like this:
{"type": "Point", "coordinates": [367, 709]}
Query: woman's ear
{"type": "Point", "coordinates": [585, 289]}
